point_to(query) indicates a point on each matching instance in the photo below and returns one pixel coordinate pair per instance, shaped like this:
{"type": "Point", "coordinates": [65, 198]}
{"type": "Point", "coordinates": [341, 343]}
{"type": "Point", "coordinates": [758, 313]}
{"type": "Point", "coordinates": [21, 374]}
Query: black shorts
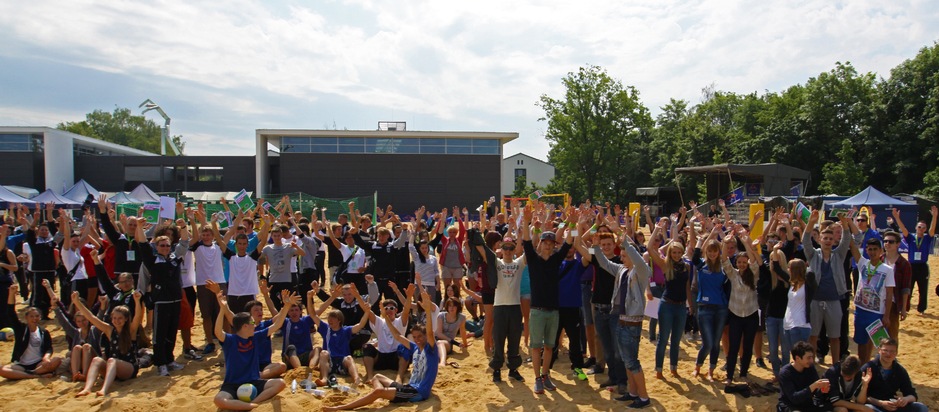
{"type": "Point", "coordinates": [488, 298]}
{"type": "Point", "coordinates": [383, 361]}
{"type": "Point", "coordinates": [232, 388]}
{"type": "Point", "coordinates": [262, 365]}
{"type": "Point", "coordinates": [28, 367]}
{"type": "Point", "coordinates": [335, 366]}
{"type": "Point", "coordinates": [404, 393]}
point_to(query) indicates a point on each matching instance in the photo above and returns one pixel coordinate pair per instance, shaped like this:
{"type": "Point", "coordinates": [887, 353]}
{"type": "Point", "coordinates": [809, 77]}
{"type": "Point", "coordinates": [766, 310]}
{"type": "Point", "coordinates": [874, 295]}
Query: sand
{"type": "Point", "coordinates": [466, 388]}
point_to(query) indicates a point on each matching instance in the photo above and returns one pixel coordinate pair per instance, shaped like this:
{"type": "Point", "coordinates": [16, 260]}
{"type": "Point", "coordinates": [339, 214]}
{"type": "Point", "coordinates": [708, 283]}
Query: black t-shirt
{"type": "Point", "coordinates": [545, 275]}
{"type": "Point", "coordinates": [676, 289]}
{"type": "Point", "coordinates": [603, 282]}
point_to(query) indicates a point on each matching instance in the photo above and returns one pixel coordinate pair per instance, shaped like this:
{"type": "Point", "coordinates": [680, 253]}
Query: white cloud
{"type": "Point", "coordinates": [461, 65]}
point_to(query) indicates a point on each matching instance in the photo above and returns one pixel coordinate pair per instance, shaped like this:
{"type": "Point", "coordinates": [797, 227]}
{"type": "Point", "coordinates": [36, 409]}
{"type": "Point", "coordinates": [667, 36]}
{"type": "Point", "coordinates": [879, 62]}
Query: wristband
{"type": "Point", "coordinates": [593, 229]}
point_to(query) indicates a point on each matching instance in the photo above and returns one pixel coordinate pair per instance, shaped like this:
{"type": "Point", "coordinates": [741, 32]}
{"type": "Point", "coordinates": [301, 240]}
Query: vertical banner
{"type": "Point", "coordinates": [633, 208]}
{"type": "Point", "coordinates": [757, 229]}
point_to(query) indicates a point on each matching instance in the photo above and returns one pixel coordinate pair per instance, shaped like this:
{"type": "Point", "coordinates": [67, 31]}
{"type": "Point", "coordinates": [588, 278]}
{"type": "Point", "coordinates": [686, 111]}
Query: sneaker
{"type": "Point", "coordinates": [173, 366]}
{"type": "Point", "coordinates": [580, 374]}
{"type": "Point", "coordinates": [546, 380]}
{"type": "Point", "coordinates": [627, 398]}
{"type": "Point", "coordinates": [163, 371]}
{"type": "Point", "coordinates": [497, 376]}
{"type": "Point", "coordinates": [192, 355]}
{"type": "Point", "coordinates": [639, 404]}
{"type": "Point", "coordinates": [528, 359]}
{"type": "Point", "coordinates": [539, 386]}
{"type": "Point", "coordinates": [209, 349]}
{"type": "Point", "coordinates": [760, 363]}
{"type": "Point", "coordinates": [607, 384]}
{"type": "Point", "coordinates": [598, 369]}
{"type": "Point", "coordinates": [513, 373]}
{"type": "Point", "coordinates": [591, 362]}
{"type": "Point", "coordinates": [688, 337]}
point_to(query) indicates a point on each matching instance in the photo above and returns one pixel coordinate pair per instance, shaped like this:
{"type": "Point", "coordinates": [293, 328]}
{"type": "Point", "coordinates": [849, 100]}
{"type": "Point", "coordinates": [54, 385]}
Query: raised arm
{"type": "Point", "coordinates": [223, 305]}
{"type": "Point", "coordinates": [103, 326]}
{"type": "Point", "coordinates": [934, 211]}
{"type": "Point", "coordinates": [290, 299]}
{"type": "Point", "coordinates": [220, 320]}
{"type": "Point", "coordinates": [365, 308]}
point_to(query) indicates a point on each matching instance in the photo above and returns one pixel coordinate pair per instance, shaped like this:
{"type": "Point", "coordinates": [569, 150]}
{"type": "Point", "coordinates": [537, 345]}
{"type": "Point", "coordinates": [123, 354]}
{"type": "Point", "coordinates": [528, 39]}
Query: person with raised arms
{"type": "Point", "coordinates": [32, 350]}
{"type": "Point", "coordinates": [120, 359]}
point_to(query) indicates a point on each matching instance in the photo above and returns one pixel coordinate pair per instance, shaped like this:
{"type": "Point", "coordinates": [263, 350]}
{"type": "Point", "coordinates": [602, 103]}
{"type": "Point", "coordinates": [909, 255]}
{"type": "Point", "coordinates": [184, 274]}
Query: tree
{"type": "Point", "coordinates": [844, 176]}
{"type": "Point", "coordinates": [592, 132]}
{"type": "Point", "coordinates": [123, 128]}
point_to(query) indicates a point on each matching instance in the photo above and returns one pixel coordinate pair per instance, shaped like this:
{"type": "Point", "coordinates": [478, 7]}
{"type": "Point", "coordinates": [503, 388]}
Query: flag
{"type": "Point", "coordinates": [796, 190]}
{"type": "Point", "coordinates": [537, 194]}
{"type": "Point", "coordinates": [735, 197]}
{"type": "Point", "coordinates": [803, 212]}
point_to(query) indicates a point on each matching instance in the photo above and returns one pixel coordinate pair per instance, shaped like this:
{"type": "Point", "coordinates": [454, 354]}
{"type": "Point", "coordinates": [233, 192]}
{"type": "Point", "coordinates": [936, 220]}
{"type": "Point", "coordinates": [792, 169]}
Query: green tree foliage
{"type": "Point", "coordinates": [848, 129]}
{"type": "Point", "coordinates": [122, 127]}
{"type": "Point", "coordinates": [598, 134]}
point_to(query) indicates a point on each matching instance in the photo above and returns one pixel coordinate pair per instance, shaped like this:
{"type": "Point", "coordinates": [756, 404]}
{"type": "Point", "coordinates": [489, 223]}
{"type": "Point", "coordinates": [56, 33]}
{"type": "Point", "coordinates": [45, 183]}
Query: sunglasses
{"type": "Point", "coordinates": [887, 241]}
{"type": "Point", "coordinates": [508, 247]}
{"type": "Point", "coordinates": [391, 308]}
{"type": "Point", "coordinates": [163, 245]}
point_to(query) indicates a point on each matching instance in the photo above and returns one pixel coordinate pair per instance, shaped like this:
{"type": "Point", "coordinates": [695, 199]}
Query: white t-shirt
{"type": "Point", "coordinates": [209, 264]}
{"type": "Point", "coordinates": [795, 310]}
{"type": "Point", "coordinates": [357, 261]}
{"type": "Point", "coordinates": [873, 282]}
{"type": "Point", "coordinates": [386, 341]}
{"type": "Point", "coordinates": [70, 258]}
{"type": "Point", "coordinates": [33, 354]}
{"type": "Point", "coordinates": [188, 271]}
{"type": "Point", "coordinates": [510, 282]}
{"type": "Point", "coordinates": [243, 275]}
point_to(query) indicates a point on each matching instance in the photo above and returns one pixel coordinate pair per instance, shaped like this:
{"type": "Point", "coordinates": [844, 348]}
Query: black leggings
{"type": "Point", "coordinates": [165, 326]}
{"type": "Point", "coordinates": [741, 328]}
{"type": "Point", "coordinates": [570, 320]}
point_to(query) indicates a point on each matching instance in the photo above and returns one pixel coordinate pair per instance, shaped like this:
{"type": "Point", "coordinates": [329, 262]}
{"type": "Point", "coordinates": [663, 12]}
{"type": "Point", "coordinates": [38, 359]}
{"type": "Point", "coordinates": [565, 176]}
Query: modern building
{"type": "Point", "coordinates": [533, 170]}
{"type": "Point", "coordinates": [407, 168]}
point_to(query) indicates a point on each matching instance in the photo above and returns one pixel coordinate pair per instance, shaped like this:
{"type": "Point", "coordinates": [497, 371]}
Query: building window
{"type": "Point", "coordinates": [15, 143]}
{"type": "Point", "coordinates": [520, 173]}
{"type": "Point", "coordinates": [142, 173]}
{"type": "Point", "coordinates": [411, 145]}
{"type": "Point", "coordinates": [210, 174]}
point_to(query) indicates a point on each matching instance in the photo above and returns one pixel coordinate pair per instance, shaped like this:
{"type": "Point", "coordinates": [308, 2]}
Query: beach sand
{"type": "Point", "coordinates": [463, 389]}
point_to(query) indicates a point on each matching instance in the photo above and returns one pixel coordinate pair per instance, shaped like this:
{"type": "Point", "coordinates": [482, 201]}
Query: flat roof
{"type": "Point", "coordinates": [274, 135]}
{"type": "Point", "coordinates": [85, 140]}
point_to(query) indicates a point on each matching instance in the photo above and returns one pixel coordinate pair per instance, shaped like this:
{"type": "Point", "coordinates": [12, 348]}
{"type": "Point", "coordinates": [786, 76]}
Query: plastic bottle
{"type": "Point", "coordinates": [293, 386]}
{"type": "Point", "coordinates": [348, 389]}
{"type": "Point", "coordinates": [319, 393]}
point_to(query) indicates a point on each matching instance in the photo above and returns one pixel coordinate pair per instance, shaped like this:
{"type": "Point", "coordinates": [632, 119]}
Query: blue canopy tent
{"type": "Point", "coordinates": [80, 191]}
{"type": "Point", "coordinates": [144, 194]}
{"type": "Point", "coordinates": [880, 204]}
{"type": "Point", "coordinates": [8, 198]}
{"type": "Point", "coordinates": [50, 197]}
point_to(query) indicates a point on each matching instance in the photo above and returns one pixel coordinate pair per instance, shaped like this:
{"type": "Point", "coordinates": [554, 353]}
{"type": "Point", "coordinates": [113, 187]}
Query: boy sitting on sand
{"type": "Point", "coordinates": [241, 359]}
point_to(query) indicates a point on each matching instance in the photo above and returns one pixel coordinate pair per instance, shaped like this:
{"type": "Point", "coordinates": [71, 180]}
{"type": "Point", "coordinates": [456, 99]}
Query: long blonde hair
{"type": "Point", "coordinates": [713, 265]}
{"type": "Point", "coordinates": [669, 263]}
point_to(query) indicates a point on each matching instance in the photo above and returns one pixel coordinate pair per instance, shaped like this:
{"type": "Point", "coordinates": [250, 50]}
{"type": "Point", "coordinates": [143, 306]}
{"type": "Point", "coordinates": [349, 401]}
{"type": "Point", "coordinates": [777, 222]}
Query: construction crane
{"type": "Point", "coordinates": [165, 135]}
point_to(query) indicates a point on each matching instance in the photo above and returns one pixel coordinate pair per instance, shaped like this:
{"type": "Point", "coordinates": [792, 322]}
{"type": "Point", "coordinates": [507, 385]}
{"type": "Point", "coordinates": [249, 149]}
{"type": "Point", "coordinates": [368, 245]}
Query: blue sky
{"type": "Point", "coordinates": [222, 69]}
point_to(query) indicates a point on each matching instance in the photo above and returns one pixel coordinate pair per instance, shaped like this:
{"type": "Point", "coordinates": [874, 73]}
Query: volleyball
{"type": "Point", "coordinates": [247, 392]}
{"type": "Point", "coordinates": [6, 334]}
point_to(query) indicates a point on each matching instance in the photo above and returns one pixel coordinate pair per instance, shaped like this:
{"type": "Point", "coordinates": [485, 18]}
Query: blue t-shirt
{"type": "Point", "coordinates": [424, 368]}
{"type": "Point", "coordinates": [337, 341]}
{"type": "Point", "coordinates": [263, 343]}
{"type": "Point", "coordinates": [919, 249]}
{"type": "Point", "coordinates": [252, 246]}
{"type": "Point", "coordinates": [569, 285]}
{"type": "Point", "coordinates": [525, 286]}
{"type": "Point", "coordinates": [710, 284]}
{"type": "Point", "coordinates": [298, 334]}
{"type": "Point", "coordinates": [826, 290]}
{"type": "Point", "coordinates": [241, 357]}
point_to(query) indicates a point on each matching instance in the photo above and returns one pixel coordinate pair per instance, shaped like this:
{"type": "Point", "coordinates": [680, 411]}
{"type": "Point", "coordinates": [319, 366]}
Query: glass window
{"type": "Point", "coordinates": [408, 146]}
{"type": "Point", "coordinates": [142, 173]}
{"type": "Point", "coordinates": [380, 145]}
{"type": "Point", "coordinates": [486, 150]}
{"type": "Point", "coordinates": [210, 174]}
{"type": "Point", "coordinates": [351, 144]}
{"type": "Point", "coordinates": [485, 143]}
{"type": "Point", "coordinates": [323, 148]}
{"type": "Point", "coordinates": [433, 146]}
{"type": "Point", "coordinates": [459, 149]}
{"type": "Point", "coordinates": [350, 141]}
{"type": "Point", "coordinates": [460, 142]}
{"type": "Point", "coordinates": [294, 148]}
{"type": "Point", "coordinates": [520, 172]}
{"type": "Point", "coordinates": [15, 142]}
{"type": "Point", "coordinates": [322, 140]}
{"type": "Point", "coordinates": [295, 140]}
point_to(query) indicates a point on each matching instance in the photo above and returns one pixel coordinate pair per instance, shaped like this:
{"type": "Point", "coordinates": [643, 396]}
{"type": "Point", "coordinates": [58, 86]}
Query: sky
{"type": "Point", "coordinates": [222, 69]}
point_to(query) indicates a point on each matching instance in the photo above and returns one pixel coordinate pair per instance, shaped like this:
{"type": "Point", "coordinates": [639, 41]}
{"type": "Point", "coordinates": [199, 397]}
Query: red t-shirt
{"type": "Point", "coordinates": [85, 253]}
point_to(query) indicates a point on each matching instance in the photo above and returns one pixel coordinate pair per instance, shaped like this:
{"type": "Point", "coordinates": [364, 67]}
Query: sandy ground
{"type": "Point", "coordinates": [466, 388]}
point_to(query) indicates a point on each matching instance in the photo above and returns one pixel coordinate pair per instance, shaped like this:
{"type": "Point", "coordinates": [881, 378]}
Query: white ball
{"type": "Point", "coordinates": [247, 392]}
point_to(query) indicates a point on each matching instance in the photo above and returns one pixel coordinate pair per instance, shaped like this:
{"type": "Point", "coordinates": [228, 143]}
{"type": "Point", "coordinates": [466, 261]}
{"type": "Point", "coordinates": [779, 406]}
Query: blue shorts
{"type": "Point", "coordinates": [863, 319]}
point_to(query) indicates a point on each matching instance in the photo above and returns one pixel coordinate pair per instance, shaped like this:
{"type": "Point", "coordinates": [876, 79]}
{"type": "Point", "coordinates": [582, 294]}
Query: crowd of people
{"type": "Point", "coordinates": [402, 294]}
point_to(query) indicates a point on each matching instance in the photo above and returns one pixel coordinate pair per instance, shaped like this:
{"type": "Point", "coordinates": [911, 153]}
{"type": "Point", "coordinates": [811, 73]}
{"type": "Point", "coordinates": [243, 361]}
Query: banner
{"type": "Point", "coordinates": [754, 189]}
{"type": "Point", "coordinates": [735, 196]}
{"type": "Point", "coordinates": [796, 190]}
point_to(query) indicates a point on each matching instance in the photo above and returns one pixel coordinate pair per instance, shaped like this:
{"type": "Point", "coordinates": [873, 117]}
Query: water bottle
{"type": "Point", "coordinates": [319, 393]}
{"type": "Point", "coordinates": [348, 389]}
{"type": "Point", "coordinates": [293, 386]}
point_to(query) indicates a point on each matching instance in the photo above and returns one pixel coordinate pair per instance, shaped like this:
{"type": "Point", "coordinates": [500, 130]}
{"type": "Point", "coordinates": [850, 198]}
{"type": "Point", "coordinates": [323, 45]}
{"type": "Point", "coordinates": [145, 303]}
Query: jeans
{"type": "Point", "coordinates": [653, 322]}
{"type": "Point", "coordinates": [774, 332]}
{"type": "Point", "coordinates": [606, 325]}
{"type": "Point", "coordinates": [742, 331]}
{"type": "Point", "coordinates": [507, 325]}
{"type": "Point", "coordinates": [672, 318]}
{"type": "Point", "coordinates": [911, 407]}
{"type": "Point", "coordinates": [711, 320]}
{"type": "Point", "coordinates": [627, 339]}
{"type": "Point", "coordinates": [792, 336]}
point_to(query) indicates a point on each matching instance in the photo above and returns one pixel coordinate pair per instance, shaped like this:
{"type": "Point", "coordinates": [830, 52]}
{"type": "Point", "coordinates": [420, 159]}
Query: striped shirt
{"type": "Point", "coordinates": [743, 299]}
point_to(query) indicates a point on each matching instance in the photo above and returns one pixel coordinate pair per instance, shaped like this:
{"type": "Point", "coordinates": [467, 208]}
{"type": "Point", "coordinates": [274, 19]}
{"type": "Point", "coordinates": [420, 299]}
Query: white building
{"type": "Point", "coordinates": [534, 170]}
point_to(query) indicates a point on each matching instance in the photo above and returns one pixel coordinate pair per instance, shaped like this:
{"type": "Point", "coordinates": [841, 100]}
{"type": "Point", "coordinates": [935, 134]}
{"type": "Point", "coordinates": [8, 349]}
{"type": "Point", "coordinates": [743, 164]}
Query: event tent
{"type": "Point", "coordinates": [59, 201]}
{"type": "Point", "coordinates": [8, 198]}
{"type": "Point", "coordinates": [144, 194]}
{"type": "Point", "coordinates": [80, 191]}
{"type": "Point", "coordinates": [121, 198]}
{"type": "Point", "coordinates": [880, 204]}
{"type": "Point", "coordinates": [26, 192]}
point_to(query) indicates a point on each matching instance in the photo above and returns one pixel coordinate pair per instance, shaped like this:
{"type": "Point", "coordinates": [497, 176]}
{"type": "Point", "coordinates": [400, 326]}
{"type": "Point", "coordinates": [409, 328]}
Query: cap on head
{"type": "Point", "coordinates": [548, 236]}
